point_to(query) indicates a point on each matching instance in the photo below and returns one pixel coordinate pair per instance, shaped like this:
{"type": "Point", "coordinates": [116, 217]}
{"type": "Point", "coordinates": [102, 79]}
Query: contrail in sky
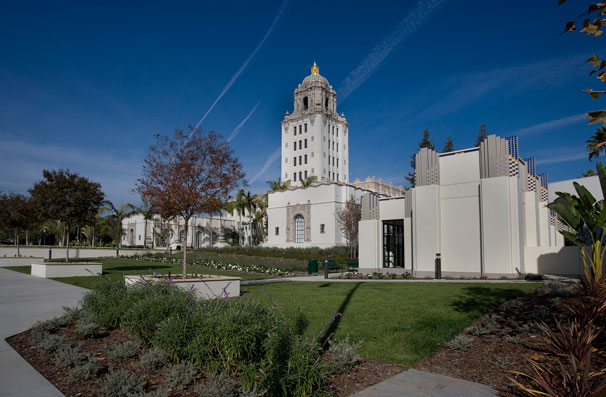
{"type": "Point", "coordinates": [405, 28]}
{"type": "Point", "coordinates": [270, 160]}
{"type": "Point", "coordinates": [550, 125]}
{"type": "Point", "coordinates": [245, 64]}
{"type": "Point", "coordinates": [236, 130]}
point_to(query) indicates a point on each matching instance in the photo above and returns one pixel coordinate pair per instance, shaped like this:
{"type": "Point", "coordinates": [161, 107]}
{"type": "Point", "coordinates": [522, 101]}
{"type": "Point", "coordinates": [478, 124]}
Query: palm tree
{"type": "Point", "coordinates": [240, 207]}
{"type": "Point", "coordinates": [250, 204]}
{"type": "Point", "coordinates": [308, 181]}
{"type": "Point", "coordinates": [277, 186]}
{"type": "Point", "coordinates": [116, 216]}
{"type": "Point", "coordinates": [148, 212]}
{"type": "Point", "coordinates": [597, 142]}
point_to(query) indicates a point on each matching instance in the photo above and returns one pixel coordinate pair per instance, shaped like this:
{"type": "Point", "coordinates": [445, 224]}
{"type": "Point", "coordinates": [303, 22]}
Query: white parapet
{"type": "Point", "coordinates": [205, 286]}
{"type": "Point", "coordinates": [57, 269]}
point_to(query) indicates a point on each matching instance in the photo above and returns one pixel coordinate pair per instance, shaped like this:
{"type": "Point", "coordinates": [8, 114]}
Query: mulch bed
{"type": "Point", "coordinates": [493, 354]}
{"type": "Point", "coordinates": [367, 373]}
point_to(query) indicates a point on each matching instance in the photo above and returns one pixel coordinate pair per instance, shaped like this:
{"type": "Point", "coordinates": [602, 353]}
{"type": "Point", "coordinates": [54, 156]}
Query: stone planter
{"type": "Point", "coordinates": [19, 261]}
{"type": "Point", "coordinates": [205, 286]}
{"type": "Point", "coordinates": [62, 269]}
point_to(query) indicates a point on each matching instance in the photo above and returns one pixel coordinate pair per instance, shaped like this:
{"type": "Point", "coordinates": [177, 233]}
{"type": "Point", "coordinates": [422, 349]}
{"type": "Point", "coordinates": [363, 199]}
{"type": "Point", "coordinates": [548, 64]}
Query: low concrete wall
{"type": "Point", "coordinates": [19, 261]}
{"type": "Point", "coordinates": [559, 261]}
{"type": "Point", "coordinates": [208, 288]}
{"type": "Point", "coordinates": [59, 252]}
{"type": "Point", "coordinates": [52, 270]}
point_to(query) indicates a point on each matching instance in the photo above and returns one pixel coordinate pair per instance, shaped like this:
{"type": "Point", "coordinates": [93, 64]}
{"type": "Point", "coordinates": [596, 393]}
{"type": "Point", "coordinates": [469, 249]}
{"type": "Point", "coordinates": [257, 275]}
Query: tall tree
{"type": "Point", "coordinates": [116, 216]}
{"type": "Point", "coordinates": [425, 142]}
{"type": "Point", "coordinates": [183, 172]}
{"type": "Point", "coordinates": [148, 212]}
{"type": "Point", "coordinates": [597, 143]}
{"type": "Point", "coordinates": [448, 145]}
{"type": "Point", "coordinates": [349, 217]}
{"type": "Point", "coordinates": [17, 213]}
{"type": "Point", "coordinates": [67, 197]}
{"type": "Point", "coordinates": [481, 135]}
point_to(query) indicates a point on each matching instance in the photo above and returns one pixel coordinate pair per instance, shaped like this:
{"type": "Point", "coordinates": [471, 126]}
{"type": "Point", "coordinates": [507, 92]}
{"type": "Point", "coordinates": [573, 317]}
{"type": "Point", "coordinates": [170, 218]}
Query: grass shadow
{"type": "Point", "coordinates": [479, 300]}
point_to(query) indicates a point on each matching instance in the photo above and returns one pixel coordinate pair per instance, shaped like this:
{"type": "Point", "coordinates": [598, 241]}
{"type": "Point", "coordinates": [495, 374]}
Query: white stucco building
{"type": "Point", "coordinates": [482, 210]}
{"type": "Point", "coordinates": [314, 135]}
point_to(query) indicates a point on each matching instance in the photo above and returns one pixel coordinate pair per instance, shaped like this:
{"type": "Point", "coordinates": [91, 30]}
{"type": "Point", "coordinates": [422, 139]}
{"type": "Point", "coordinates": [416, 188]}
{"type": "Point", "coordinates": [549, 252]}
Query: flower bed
{"type": "Point", "coordinates": [212, 264]}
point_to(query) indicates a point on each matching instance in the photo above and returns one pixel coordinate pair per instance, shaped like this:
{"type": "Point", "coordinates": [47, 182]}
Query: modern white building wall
{"type": "Point", "coordinates": [591, 183]}
{"type": "Point", "coordinates": [483, 210]}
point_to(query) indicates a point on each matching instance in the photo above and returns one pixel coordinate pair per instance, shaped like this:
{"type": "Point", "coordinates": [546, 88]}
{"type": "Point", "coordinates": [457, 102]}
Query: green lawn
{"type": "Point", "coordinates": [398, 322]}
{"type": "Point", "coordinates": [116, 268]}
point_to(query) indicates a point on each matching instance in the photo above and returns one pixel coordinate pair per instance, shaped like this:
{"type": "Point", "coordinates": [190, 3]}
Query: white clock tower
{"type": "Point", "coordinates": [314, 135]}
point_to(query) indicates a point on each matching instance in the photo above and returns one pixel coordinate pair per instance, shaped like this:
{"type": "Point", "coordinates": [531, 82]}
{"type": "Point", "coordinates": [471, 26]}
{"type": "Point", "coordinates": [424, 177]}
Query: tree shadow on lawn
{"type": "Point", "coordinates": [479, 300]}
{"type": "Point", "coordinates": [334, 325]}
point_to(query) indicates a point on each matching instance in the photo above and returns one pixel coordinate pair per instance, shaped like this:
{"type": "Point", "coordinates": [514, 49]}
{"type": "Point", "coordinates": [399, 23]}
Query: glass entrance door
{"type": "Point", "coordinates": [393, 243]}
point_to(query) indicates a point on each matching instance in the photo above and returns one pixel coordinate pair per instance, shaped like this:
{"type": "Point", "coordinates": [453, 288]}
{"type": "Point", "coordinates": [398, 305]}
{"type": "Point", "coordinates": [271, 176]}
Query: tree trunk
{"type": "Point", "coordinates": [17, 241]}
{"type": "Point", "coordinates": [240, 229]}
{"type": "Point", "coordinates": [185, 248]}
{"type": "Point", "coordinates": [66, 244]}
{"type": "Point", "coordinates": [27, 237]}
{"type": "Point", "coordinates": [92, 240]}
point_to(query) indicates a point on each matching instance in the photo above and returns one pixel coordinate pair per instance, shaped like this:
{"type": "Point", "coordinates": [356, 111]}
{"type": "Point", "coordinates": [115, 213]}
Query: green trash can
{"type": "Point", "coordinates": [312, 266]}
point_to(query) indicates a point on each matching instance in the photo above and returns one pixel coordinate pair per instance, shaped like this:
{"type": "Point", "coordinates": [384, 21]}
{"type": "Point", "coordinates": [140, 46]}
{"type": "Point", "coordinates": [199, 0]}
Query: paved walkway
{"type": "Point", "coordinates": [415, 383]}
{"type": "Point", "coordinates": [333, 278]}
{"type": "Point", "coordinates": [24, 300]}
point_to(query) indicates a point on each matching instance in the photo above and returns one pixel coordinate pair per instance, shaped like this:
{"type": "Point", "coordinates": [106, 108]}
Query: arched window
{"type": "Point", "coordinates": [326, 104]}
{"type": "Point", "coordinates": [305, 103]}
{"type": "Point", "coordinates": [299, 229]}
{"type": "Point", "coordinates": [199, 239]}
{"type": "Point", "coordinates": [182, 236]}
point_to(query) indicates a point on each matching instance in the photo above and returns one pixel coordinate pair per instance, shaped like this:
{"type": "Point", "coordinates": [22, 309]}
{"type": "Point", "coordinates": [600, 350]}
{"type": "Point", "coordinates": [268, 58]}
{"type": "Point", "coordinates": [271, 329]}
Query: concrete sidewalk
{"type": "Point", "coordinates": [415, 383]}
{"type": "Point", "coordinates": [25, 299]}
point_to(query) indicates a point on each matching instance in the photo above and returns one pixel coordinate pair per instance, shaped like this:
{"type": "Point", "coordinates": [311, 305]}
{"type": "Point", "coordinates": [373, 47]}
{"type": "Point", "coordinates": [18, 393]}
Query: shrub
{"type": "Point", "coordinates": [147, 313]}
{"type": "Point", "coordinates": [176, 332]}
{"type": "Point", "coordinates": [490, 320]}
{"type": "Point", "coordinates": [567, 371]}
{"type": "Point", "coordinates": [124, 351]}
{"type": "Point", "coordinates": [71, 314]}
{"type": "Point", "coordinates": [107, 302]}
{"type": "Point", "coordinates": [181, 375]}
{"type": "Point", "coordinates": [90, 369]}
{"type": "Point", "coordinates": [120, 383]}
{"type": "Point", "coordinates": [217, 385]}
{"type": "Point", "coordinates": [157, 393]}
{"type": "Point", "coordinates": [45, 342]}
{"type": "Point", "coordinates": [345, 355]}
{"type": "Point", "coordinates": [508, 306]}
{"type": "Point", "coordinates": [154, 358]}
{"type": "Point", "coordinates": [459, 343]}
{"type": "Point", "coordinates": [477, 330]}
{"type": "Point", "coordinates": [66, 355]}
{"type": "Point", "coordinates": [500, 362]}
{"type": "Point", "coordinates": [533, 277]}
{"type": "Point", "coordinates": [86, 326]}
{"type": "Point", "coordinates": [515, 339]}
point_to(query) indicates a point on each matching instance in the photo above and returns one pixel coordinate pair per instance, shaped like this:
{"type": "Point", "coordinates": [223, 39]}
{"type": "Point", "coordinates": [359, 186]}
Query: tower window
{"type": "Point", "coordinates": [305, 103]}
{"type": "Point", "coordinates": [305, 158]}
{"type": "Point", "coordinates": [322, 228]}
{"type": "Point", "coordinates": [277, 230]}
{"type": "Point", "coordinates": [337, 162]}
{"type": "Point", "coordinates": [286, 160]}
{"type": "Point", "coordinates": [337, 131]}
{"type": "Point", "coordinates": [326, 103]}
{"type": "Point", "coordinates": [295, 147]}
{"type": "Point", "coordinates": [333, 129]}
{"type": "Point", "coordinates": [295, 161]}
{"type": "Point", "coordinates": [312, 171]}
{"type": "Point", "coordinates": [333, 145]}
{"type": "Point", "coordinates": [300, 129]}
{"type": "Point", "coordinates": [300, 162]}
{"type": "Point", "coordinates": [300, 176]}
{"type": "Point", "coordinates": [337, 147]}
{"type": "Point", "coordinates": [312, 138]}
{"type": "Point", "coordinates": [312, 154]}
{"type": "Point", "coordinates": [305, 174]}
{"type": "Point", "coordinates": [294, 129]}
{"type": "Point", "coordinates": [295, 176]}
{"type": "Point", "coordinates": [300, 145]}
{"type": "Point", "coordinates": [337, 177]}
{"type": "Point", "coordinates": [306, 144]}
{"type": "Point", "coordinates": [305, 127]}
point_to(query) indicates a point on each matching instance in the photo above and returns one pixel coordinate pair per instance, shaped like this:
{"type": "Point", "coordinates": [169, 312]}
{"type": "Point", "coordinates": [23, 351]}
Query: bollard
{"type": "Point", "coordinates": [326, 269]}
{"type": "Point", "coordinates": [50, 254]}
{"type": "Point", "coordinates": [438, 267]}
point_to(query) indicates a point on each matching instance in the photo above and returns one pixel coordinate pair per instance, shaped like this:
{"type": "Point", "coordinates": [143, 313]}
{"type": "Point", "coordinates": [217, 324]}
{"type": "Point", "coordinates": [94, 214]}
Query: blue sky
{"type": "Point", "coordinates": [86, 85]}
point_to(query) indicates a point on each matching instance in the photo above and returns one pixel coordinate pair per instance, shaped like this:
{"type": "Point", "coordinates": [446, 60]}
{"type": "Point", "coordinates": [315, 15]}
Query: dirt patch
{"type": "Point", "coordinates": [511, 334]}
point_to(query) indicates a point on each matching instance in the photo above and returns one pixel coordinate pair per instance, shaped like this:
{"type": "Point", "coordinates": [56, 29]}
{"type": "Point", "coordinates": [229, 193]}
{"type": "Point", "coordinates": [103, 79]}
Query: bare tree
{"type": "Point", "coordinates": [348, 218]}
{"type": "Point", "coordinates": [182, 173]}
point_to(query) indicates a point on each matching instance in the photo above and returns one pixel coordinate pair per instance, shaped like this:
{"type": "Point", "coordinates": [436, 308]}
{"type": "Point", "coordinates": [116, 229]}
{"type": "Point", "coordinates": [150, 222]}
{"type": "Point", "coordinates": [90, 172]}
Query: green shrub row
{"type": "Point", "coordinates": [235, 336]}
